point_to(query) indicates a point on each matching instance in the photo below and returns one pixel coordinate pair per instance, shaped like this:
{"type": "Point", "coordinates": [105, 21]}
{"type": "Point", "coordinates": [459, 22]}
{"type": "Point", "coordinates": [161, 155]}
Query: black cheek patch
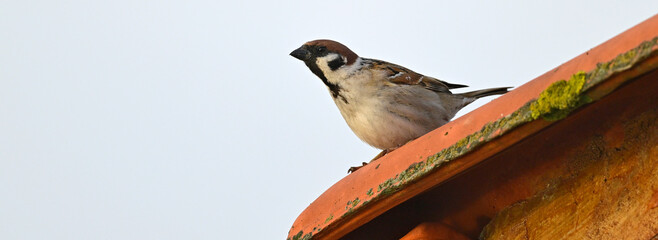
{"type": "Point", "coordinates": [336, 63]}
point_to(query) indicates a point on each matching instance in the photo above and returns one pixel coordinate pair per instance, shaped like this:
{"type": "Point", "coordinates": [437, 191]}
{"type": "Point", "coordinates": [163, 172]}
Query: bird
{"type": "Point", "coordinates": [386, 105]}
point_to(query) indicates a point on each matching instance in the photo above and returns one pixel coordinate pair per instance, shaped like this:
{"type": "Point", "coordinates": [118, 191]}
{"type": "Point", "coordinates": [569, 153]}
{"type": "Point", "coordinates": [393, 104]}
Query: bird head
{"type": "Point", "coordinates": [324, 56]}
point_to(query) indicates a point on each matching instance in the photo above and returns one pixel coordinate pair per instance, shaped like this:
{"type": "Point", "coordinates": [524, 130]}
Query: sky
{"type": "Point", "coordinates": [189, 120]}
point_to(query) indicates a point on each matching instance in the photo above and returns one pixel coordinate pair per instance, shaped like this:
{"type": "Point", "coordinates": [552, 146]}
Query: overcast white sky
{"type": "Point", "coordinates": [132, 119]}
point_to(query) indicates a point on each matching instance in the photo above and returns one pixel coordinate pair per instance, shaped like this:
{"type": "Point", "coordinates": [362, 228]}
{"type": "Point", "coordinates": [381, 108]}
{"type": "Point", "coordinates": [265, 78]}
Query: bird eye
{"type": "Point", "coordinates": [322, 49]}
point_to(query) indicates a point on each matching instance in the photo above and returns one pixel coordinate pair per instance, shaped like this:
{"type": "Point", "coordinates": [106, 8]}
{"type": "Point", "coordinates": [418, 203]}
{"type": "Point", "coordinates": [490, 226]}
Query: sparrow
{"type": "Point", "coordinates": [386, 105]}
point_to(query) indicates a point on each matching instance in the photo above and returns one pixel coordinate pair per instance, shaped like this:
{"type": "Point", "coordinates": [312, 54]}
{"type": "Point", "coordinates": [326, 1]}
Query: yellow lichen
{"type": "Point", "coordinates": [560, 98]}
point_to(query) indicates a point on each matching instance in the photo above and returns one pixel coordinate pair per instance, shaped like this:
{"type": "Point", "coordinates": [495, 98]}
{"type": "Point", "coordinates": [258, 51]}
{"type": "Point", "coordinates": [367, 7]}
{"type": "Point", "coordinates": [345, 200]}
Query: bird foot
{"type": "Point", "coordinates": [381, 154]}
{"type": "Point", "coordinates": [353, 169]}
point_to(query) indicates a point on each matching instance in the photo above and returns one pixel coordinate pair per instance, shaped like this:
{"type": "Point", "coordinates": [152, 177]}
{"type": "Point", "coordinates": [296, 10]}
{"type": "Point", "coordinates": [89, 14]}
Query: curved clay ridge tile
{"type": "Point", "coordinates": [423, 163]}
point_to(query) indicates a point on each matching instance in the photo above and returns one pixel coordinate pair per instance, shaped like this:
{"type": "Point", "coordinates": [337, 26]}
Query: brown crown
{"type": "Point", "coordinates": [336, 47]}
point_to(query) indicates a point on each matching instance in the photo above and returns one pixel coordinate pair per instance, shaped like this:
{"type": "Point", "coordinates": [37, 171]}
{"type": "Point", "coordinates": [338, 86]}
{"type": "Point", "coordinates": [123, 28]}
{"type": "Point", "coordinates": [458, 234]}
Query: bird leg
{"type": "Point", "coordinates": [381, 154]}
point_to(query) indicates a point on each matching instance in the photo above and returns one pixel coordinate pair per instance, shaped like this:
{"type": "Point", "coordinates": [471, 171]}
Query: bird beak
{"type": "Point", "coordinates": [301, 54]}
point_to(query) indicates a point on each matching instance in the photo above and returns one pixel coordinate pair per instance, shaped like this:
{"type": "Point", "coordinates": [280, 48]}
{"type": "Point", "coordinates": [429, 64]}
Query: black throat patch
{"type": "Point", "coordinates": [333, 88]}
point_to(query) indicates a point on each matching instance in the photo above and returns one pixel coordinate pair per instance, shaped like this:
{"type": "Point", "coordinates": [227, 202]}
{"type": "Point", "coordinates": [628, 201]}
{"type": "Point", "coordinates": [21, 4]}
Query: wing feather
{"type": "Point", "coordinates": [401, 75]}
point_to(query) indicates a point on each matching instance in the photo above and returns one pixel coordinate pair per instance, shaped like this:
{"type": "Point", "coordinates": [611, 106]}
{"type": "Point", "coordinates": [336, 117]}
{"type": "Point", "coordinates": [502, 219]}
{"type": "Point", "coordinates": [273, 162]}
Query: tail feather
{"type": "Point", "coordinates": [485, 92]}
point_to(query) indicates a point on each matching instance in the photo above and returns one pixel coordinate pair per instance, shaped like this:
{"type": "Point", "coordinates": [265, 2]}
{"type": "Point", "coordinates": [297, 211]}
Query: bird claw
{"type": "Point", "coordinates": [381, 154]}
{"type": "Point", "coordinates": [353, 169]}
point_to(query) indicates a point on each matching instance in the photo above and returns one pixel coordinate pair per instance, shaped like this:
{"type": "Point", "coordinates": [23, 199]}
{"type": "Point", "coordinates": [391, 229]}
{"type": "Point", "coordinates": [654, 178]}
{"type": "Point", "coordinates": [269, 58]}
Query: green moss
{"type": "Point", "coordinates": [352, 204]}
{"type": "Point", "coordinates": [329, 219]}
{"type": "Point", "coordinates": [349, 211]}
{"type": "Point", "coordinates": [369, 192]}
{"type": "Point", "coordinates": [386, 184]}
{"type": "Point", "coordinates": [300, 236]}
{"type": "Point", "coordinates": [355, 202]}
{"type": "Point", "coordinates": [559, 99]}
{"type": "Point", "coordinates": [621, 62]}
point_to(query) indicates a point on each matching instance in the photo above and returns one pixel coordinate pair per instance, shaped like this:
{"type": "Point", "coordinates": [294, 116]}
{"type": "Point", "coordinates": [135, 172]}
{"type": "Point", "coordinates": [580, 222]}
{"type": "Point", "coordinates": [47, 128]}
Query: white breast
{"type": "Point", "coordinates": [386, 115]}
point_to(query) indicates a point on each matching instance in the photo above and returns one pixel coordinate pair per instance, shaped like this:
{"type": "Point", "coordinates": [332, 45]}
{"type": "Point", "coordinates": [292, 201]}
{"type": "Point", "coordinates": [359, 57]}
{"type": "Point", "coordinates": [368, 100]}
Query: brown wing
{"type": "Point", "coordinates": [453, 85]}
{"type": "Point", "coordinates": [401, 75]}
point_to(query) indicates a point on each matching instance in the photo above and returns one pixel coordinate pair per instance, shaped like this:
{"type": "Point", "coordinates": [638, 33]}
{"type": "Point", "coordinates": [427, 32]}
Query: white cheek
{"type": "Point", "coordinates": [323, 62]}
{"type": "Point", "coordinates": [340, 74]}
